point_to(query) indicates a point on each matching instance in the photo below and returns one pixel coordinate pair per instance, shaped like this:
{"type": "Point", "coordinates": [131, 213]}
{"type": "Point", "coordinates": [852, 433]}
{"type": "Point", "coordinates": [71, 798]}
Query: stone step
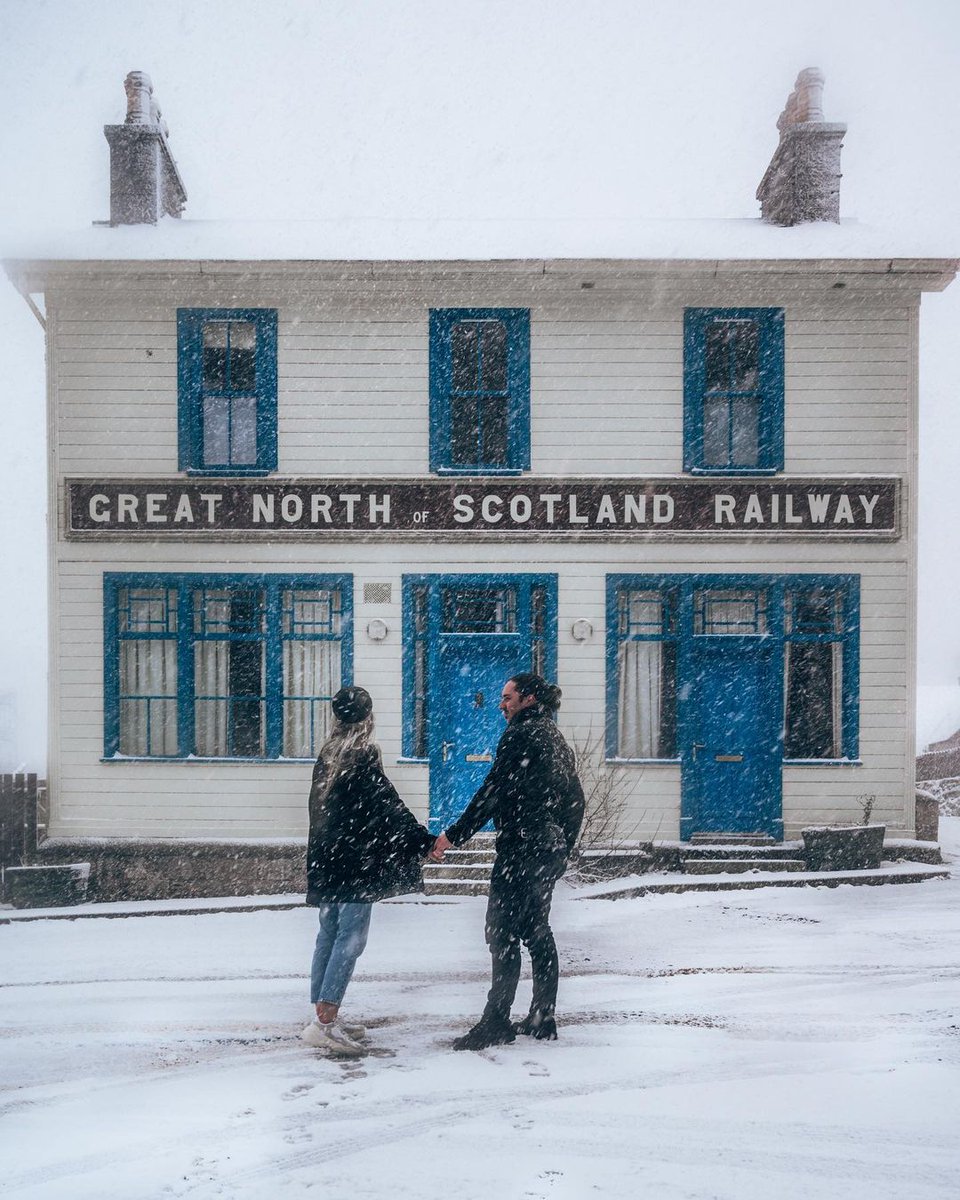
{"type": "Point", "coordinates": [736, 866]}
{"type": "Point", "coordinates": [455, 887]}
{"type": "Point", "coordinates": [480, 841]}
{"type": "Point", "coordinates": [679, 884]}
{"type": "Point", "coordinates": [779, 850]}
{"type": "Point", "coordinates": [732, 839]}
{"type": "Point", "coordinates": [435, 871]}
{"type": "Point", "coordinates": [469, 857]}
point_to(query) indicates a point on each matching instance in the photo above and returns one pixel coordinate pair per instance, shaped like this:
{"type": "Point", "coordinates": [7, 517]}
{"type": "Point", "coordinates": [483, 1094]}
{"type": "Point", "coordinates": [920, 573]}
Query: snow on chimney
{"type": "Point", "coordinates": [145, 184]}
{"type": "Point", "coordinates": [802, 182]}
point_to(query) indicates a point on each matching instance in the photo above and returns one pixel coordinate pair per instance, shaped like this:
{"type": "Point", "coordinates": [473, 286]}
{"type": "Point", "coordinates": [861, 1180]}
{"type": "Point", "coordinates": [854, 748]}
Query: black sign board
{"type": "Point", "coordinates": [516, 508]}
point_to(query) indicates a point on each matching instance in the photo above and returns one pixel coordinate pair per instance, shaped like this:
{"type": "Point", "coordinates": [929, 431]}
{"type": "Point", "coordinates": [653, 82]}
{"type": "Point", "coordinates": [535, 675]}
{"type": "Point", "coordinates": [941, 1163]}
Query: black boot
{"type": "Point", "coordinates": [538, 1024]}
{"type": "Point", "coordinates": [490, 1030]}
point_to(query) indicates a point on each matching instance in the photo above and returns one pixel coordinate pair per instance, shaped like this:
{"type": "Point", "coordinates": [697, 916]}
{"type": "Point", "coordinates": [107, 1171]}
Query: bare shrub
{"type": "Point", "coordinates": [607, 844]}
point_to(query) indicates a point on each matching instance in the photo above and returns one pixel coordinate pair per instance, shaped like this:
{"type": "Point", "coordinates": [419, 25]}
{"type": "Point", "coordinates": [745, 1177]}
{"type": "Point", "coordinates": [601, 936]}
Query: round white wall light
{"type": "Point", "coordinates": [581, 629]}
{"type": "Point", "coordinates": [377, 629]}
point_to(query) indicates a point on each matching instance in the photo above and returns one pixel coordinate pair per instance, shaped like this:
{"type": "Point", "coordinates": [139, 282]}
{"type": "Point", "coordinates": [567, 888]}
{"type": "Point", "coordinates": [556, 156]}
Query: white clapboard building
{"type": "Point", "coordinates": [671, 467]}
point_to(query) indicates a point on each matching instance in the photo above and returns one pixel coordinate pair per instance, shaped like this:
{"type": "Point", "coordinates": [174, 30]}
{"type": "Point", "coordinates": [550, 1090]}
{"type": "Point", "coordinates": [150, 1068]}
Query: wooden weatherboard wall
{"type": "Point", "coordinates": [606, 410]}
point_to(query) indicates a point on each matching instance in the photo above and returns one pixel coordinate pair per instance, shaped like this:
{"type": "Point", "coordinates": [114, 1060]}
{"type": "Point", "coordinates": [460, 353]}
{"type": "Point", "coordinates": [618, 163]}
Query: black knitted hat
{"type": "Point", "coordinates": [351, 704]}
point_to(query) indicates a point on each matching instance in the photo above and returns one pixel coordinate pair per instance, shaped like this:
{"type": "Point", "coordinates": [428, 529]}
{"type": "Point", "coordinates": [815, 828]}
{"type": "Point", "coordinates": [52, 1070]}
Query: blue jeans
{"type": "Point", "coordinates": [340, 942]}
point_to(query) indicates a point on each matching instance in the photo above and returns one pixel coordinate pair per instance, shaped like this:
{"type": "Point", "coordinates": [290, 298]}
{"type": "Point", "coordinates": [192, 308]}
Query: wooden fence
{"type": "Point", "coordinates": [23, 817]}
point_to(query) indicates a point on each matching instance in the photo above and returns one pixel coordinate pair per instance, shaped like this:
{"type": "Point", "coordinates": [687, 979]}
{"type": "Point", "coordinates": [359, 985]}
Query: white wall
{"type": "Point", "coordinates": [606, 394]}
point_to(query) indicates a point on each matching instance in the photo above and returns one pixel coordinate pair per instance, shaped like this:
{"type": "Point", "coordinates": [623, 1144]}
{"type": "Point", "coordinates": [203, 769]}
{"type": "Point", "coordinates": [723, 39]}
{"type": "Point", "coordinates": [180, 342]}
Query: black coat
{"type": "Point", "coordinates": [364, 842]}
{"type": "Point", "coordinates": [531, 793]}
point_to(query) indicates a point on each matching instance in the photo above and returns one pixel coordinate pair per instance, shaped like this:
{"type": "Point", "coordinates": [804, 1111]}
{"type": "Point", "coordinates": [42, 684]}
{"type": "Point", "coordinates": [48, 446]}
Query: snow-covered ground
{"type": "Point", "coordinates": [779, 1043]}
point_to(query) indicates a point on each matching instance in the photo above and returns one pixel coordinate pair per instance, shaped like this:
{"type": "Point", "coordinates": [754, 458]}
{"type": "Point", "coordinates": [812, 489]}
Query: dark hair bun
{"type": "Point", "coordinates": [352, 704]}
{"type": "Point", "coordinates": [529, 684]}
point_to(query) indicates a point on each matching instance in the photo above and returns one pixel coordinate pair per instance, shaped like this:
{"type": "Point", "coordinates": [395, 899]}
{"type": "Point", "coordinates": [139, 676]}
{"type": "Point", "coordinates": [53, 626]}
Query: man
{"type": "Point", "coordinates": [534, 798]}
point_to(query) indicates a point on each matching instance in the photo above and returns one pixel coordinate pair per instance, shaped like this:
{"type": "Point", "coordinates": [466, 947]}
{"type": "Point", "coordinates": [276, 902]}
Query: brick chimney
{"type": "Point", "coordinates": [145, 184]}
{"type": "Point", "coordinates": [802, 182]}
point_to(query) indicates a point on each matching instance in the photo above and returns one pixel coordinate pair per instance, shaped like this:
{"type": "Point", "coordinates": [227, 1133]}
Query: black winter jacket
{"type": "Point", "coordinates": [364, 842]}
{"type": "Point", "coordinates": [532, 793]}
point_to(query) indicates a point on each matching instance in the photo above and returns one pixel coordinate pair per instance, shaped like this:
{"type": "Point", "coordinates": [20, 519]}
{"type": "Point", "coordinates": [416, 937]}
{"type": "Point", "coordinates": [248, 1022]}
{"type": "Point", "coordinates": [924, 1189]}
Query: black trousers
{"type": "Point", "coordinates": [518, 910]}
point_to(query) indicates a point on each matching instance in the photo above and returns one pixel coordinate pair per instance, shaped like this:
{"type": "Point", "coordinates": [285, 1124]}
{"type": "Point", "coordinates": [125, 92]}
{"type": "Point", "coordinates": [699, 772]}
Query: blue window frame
{"type": "Point", "coordinates": [479, 391]}
{"type": "Point", "coordinates": [227, 387]}
{"type": "Point", "coordinates": [733, 372]}
{"type": "Point", "coordinates": [525, 605]}
{"type": "Point", "coordinates": [223, 666]}
{"type": "Point", "coordinates": [811, 621]}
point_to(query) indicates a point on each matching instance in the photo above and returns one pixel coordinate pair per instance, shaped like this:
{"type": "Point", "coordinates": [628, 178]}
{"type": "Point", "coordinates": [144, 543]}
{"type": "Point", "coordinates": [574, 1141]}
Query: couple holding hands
{"type": "Point", "coordinates": [366, 845]}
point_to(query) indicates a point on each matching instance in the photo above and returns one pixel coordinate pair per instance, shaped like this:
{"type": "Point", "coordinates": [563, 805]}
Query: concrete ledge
{"type": "Point", "coordinates": [664, 885]}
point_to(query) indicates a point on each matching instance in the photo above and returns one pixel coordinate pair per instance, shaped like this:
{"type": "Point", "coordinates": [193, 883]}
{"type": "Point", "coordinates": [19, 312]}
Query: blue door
{"type": "Point", "coordinates": [484, 629]}
{"type": "Point", "coordinates": [732, 749]}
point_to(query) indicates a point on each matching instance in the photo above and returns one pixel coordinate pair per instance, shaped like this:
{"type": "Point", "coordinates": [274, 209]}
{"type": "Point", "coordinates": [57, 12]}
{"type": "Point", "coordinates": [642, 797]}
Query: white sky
{"type": "Point", "coordinates": [618, 109]}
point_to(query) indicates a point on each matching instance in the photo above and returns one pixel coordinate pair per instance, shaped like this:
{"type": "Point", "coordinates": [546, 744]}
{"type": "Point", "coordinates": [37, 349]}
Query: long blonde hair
{"type": "Point", "coordinates": [341, 744]}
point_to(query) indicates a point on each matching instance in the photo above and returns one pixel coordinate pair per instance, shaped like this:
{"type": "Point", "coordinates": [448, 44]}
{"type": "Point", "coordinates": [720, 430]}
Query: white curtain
{"type": "Point", "coordinates": [836, 706]}
{"type": "Point", "coordinates": [148, 696]}
{"type": "Point", "coordinates": [211, 681]}
{"type": "Point", "coordinates": [311, 675]}
{"type": "Point", "coordinates": [638, 669]}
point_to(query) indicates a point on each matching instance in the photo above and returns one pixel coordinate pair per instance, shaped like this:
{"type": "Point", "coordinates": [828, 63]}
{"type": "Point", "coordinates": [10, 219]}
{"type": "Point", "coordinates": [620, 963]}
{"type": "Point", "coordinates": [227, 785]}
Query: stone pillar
{"type": "Point", "coordinates": [145, 184]}
{"type": "Point", "coordinates": [802, 182]}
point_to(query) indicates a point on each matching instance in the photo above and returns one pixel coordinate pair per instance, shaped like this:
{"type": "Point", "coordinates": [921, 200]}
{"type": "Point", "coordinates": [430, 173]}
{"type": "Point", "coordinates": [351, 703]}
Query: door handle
{"type": "Point", "coordinates": [445, 748]}
{"type": "Point", "coordinates": [698, 746]}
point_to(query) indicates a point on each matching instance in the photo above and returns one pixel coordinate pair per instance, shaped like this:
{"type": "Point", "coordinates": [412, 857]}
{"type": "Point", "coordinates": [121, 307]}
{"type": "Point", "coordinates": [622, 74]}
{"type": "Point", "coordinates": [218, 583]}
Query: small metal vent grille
{"type": "Point", "coordinates": [377, 593]}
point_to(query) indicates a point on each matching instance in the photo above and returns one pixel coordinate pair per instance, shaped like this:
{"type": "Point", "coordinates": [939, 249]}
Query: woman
{"type": "Point", "coordinates": [364, 845]}
{"type": "Point", "coordinates": [534, 798]}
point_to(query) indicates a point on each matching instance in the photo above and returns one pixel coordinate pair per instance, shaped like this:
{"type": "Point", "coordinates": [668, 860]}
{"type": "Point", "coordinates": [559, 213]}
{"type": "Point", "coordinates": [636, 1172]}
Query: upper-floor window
{"type": "Point", "coordinates": [227, 383]}
{"type": "Point", "coordinates": [733, 390]}
{"type": "Point", "coordinates": [223, 666]}
{"type": "Point", "coordinates": [480, 390]}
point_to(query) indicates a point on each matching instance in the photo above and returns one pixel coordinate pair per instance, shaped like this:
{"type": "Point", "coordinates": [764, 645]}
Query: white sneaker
{"type": "Point", "coordinates": [332, 1037]}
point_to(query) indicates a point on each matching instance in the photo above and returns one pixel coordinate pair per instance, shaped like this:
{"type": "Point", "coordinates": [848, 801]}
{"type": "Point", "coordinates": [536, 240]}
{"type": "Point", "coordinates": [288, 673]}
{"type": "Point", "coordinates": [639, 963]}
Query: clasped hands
{"type": "Point", "coordinates": [440, 847]}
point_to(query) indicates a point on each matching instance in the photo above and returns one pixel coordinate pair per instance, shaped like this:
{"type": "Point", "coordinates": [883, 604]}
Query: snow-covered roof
{"type": "Point", "coordinates": [408, 240]}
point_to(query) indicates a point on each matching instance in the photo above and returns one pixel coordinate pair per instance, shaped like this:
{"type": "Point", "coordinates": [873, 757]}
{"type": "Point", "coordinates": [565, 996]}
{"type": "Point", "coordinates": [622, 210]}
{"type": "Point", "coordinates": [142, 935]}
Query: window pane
{"type": "Point", "coordinates": [420, 698]}
{"type": "Point", "coordinates": [243, 432]}
{"type": "Point", "coordinates": [216, 431]}
{"type": "Point", "coordinates": [494, 357]}
{"type": "Point", "coordinates": [222, 611]}
{"type": "Point", "coordinates": [243, 357]}
{"type": "Point", "coordinates": [464, 431]}
{"type": "Point", "coordinates": [813, 691]}
{"type": "Point", "coordinates": [147, 610]}
{"type": "Point", "coordinates": [646, 699]}
{"type": "Point", "coordinates": [311, 676]}
{"type": "Point", "coordinates": [309, 612]}
{"type": "Point", "coordinates": [466, 356]}
{"type": "Point", "coordinates": [215, 356]}
{"type": "Point", "coordinates": [716, 432]}
{"type": "Point", "coordinates": [647, 613]}
{"type": "Point", "coordinates": [814, 611]}
{"type": "Point", "coordinates": [715, 350]}
{"type": "Point", "coordinates": [493, 451]}
{"type": "Point", "coordinates": [229, 700]}
{"type": "Point", "coordinates": [730, 611]}
{"type": "Point", "coordinates": [745, 447]}
{"type": "Point", "coordinates": [148, 696]}
{"type": "Point", "coordinates": [746, 356]}
{"type": "Point", "coordinates": [479, 610]}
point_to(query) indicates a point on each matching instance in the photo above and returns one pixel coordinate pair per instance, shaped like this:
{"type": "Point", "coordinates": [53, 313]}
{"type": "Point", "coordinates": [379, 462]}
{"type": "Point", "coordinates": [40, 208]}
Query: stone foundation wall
{"type": "Point", "coordinates": [166, 870]}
